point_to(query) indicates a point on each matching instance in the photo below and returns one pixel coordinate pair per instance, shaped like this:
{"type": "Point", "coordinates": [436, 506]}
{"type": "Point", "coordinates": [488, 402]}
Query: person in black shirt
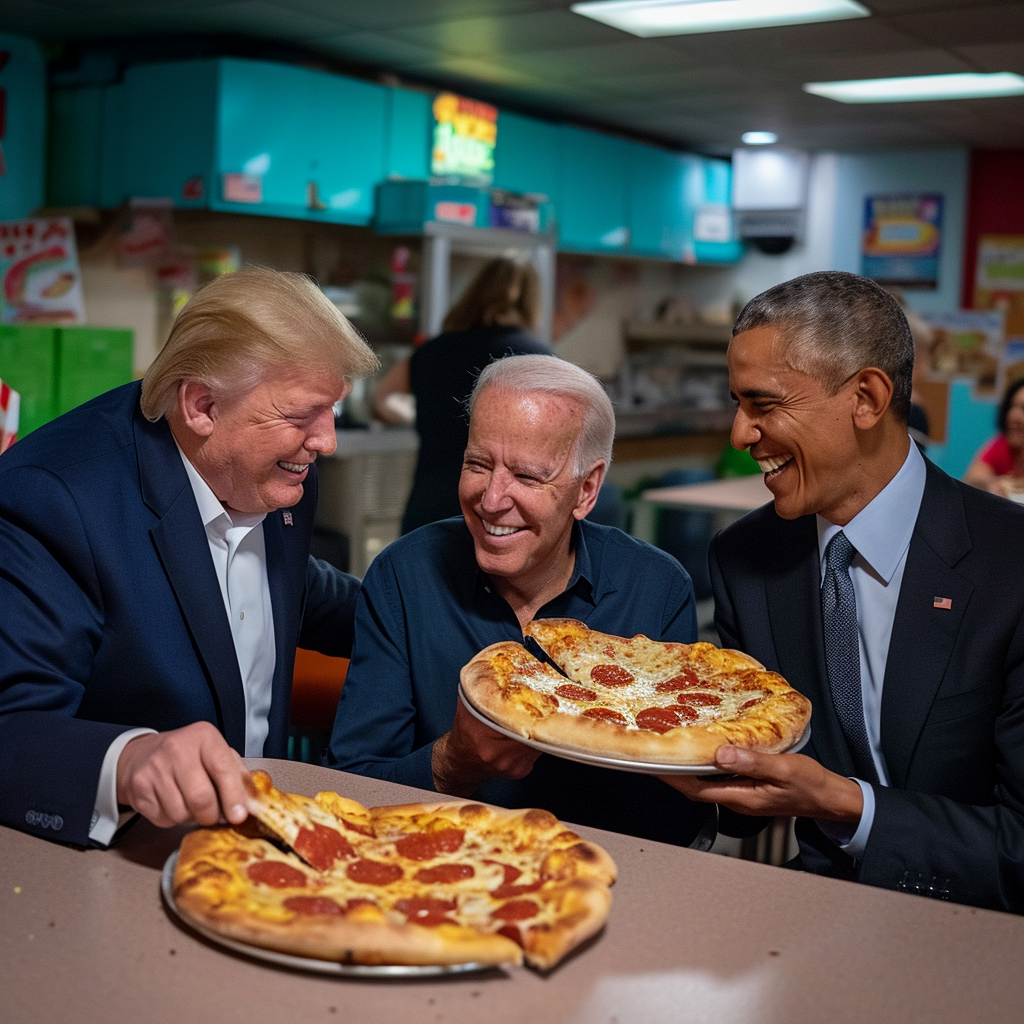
{"type": "Point", "coordinates": [540, 439]}
{"type": "Point", "coordinates": [490, 321]}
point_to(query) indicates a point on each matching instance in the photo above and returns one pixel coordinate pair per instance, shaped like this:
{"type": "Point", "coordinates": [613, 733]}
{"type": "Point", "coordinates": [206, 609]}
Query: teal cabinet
{"type": "Point", "coordinates": [408, 126]}
{"type": "Point", "coordinates": [528, 157]}
{"type": "Point", "coordinates": [658, 213]}
{"type": "Point", "coordinates": [23, 97]}
{"type": "Point", "coordinates": [244, 136]}
{"type": "Point", "coordinates": [593, 208]}
{"type": "Point", "coordinates": [712, 238]}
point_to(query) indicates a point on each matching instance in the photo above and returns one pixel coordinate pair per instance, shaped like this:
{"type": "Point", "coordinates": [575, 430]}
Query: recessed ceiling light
{"type": "Point", "coordinates": [920, 87]}
{"type": "Point", "coordinates": [683, 17]}
{"type": "Point", "coordinates": [759, 138]}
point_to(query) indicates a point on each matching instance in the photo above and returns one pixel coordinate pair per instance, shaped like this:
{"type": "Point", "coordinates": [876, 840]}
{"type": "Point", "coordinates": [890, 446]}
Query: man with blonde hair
{"type": "Point", "coordinates": [540, 441]}
{"type": "Point", "coordinates": [155, 576]}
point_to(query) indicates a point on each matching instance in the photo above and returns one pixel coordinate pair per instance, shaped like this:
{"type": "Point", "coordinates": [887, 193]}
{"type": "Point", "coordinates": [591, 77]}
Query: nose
{"type": "Point", "coordinates": [495, 497]}
{"type": "Point", "coordinates": [322, 438]}
{"type": "Point", "coordinates": [744, 430]}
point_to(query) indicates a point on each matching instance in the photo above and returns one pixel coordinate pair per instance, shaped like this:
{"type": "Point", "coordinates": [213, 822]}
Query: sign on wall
{"type": "Point", "coordinates": [465, 133]}
{"type": "Point", "coordinates": [901, 240]}
{"type": "Point", "coordinates": [39, 277]}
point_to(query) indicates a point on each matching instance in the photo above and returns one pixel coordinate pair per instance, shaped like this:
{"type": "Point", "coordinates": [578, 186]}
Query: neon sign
{"type": "Point", "coordinates": [465, 132]}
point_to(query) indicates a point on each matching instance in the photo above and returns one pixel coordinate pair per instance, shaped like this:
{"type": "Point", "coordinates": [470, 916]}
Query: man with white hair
{"type": "Point", "coordinates": [540, 442]}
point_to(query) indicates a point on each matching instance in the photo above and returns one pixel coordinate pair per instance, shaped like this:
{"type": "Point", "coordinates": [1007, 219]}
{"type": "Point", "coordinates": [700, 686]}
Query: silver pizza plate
{"type": "Point", "coordinates": [381, 972]}
{"type": "Point", "coordinates": [606, 761]}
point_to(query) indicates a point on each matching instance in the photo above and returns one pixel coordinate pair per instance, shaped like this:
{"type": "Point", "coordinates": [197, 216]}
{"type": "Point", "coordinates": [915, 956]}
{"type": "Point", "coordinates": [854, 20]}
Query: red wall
{"type": "Point", "coordinates": [995, 204]}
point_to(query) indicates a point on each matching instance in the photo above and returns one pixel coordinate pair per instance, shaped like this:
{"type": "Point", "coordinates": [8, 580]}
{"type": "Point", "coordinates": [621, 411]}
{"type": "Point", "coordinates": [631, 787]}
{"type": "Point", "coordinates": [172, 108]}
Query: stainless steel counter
{"type": "Point", "coordinates": [692, 937]}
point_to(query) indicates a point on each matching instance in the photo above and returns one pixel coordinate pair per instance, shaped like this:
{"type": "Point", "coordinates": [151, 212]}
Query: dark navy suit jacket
{"type": "Point", "coordinates": [111, 615]}
{"type": "Point", "coordinates": [951, 823]}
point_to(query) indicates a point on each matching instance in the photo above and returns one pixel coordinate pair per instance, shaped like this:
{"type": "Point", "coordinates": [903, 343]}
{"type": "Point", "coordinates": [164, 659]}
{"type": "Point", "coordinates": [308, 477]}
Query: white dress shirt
{"type": "Point", "coordinates": [240, 560]}
{"type": "Point", "coordinates": [881, 534]}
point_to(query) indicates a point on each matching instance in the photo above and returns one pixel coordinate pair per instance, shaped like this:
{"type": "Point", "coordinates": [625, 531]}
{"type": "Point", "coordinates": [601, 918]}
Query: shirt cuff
{"type": "Point", "coordinates": [852, 840]}
{"type": "Point", "coordinates": [105, 814]}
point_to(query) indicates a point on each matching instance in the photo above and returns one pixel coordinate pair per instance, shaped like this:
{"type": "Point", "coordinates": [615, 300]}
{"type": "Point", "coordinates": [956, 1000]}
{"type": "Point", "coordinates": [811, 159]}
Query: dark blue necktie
{"type": "Point", "coordinates": [842, 651]}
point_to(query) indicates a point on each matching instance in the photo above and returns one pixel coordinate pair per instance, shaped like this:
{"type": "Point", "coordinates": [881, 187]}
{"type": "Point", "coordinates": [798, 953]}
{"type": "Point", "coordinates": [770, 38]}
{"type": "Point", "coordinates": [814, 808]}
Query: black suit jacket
{"type": "Point", "coordinates": [951, 823]}
{"type": "Point", "coordinates": [111, 615]}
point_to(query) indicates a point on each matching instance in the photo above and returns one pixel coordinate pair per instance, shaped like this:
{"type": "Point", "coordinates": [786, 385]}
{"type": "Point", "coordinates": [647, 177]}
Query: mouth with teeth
{"type": "Point", "coordinates": [773, 465]}
{"type": "Point", "coordinates": [294, 467]}
{"type": "Point", "coordinates": [501, 531]}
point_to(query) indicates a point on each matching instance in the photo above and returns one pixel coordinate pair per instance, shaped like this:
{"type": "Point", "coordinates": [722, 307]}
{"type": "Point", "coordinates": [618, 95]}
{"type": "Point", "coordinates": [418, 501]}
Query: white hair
{"type": "Point", "coordinates": [526, 375]}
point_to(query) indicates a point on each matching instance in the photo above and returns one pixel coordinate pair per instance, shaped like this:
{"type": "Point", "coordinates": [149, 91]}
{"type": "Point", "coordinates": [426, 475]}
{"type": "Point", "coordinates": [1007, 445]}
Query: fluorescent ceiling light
{"type": "Point", "coordinates": [683, 17]}
{"type": "Point", "coordinates": [919, 87]}
{"type": "Point", "coordinates": [759, 138]}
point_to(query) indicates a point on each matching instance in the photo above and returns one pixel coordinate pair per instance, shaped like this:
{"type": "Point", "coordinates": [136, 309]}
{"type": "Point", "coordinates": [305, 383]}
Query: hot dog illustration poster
{"type": "Point", "coordinates": [40, 281]}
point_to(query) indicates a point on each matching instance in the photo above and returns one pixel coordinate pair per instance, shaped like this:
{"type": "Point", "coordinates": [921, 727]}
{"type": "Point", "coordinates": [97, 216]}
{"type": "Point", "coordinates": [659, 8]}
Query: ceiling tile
{"type": "Point", "coordinates": [966, 26]}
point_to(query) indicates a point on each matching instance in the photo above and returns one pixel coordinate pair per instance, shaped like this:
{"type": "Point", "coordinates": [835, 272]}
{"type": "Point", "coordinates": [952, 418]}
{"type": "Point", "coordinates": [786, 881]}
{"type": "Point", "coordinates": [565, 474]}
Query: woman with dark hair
{"type": "Point", "coordinates": [999, 466]}
{"type": "Point", "coordinates": [489, 321]}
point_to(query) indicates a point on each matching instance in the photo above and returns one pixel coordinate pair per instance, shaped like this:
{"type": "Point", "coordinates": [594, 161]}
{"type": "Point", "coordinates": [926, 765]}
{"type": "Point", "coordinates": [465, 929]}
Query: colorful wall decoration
{"type": "Point", "coordinates": [902, 239]}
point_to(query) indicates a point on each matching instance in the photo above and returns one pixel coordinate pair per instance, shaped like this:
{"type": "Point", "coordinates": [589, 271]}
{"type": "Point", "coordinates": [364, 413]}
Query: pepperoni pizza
{"type": "Point", "coordinates": [443, 883]}
{"type": "Point", "coordinates": [633, 698]}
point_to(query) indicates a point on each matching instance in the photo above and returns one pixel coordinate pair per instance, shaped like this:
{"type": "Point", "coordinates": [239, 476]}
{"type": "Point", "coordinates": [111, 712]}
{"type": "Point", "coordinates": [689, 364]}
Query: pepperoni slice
{"type": "Point", "coordinates": [751, 703]}
{"type": "Point", "coordinates": [689, 714]}
{"type": "Point", "coordinates": [605, 715]}
{"type": "Point", "coordinates": [276, 875]}
{"type": "Point", "coordinates": [313, 905]}
{"type": "Point", "coordinates": [374, 872]}
{"type": "Point", "coordinates": [427, 845]}
{"type": "Point", "coordinates": [445, 874]}
{"type": "Point", "coordinates": [507, 892]}
{"type": "Point", "coordinates": [683, 681]}
{"type": "Point", "coordinates": [703, 700]}
{"type": "Point", "coordinates": [321, 846]}
{"type": "Point", "coordinates": [611, 675]}
{"type": "Point", "coordinates": [573, 692]}
{"type": "Point", "coordinates": [511, 871]}
{"type": "Point", "coordinates": [517, 910]}
{"type": "Point", "coordinates": [426, 910]}
{"type": "Point", "coordinates": [658, 719]}
{"type": "Point", "coordinates": [511, 931]}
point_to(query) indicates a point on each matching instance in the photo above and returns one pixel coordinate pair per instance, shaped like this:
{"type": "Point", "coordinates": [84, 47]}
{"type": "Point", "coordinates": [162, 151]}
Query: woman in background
{"type": "Point", "coordinates": [999, 466]}
{"type": "Point", "coordinates": [490, 321]}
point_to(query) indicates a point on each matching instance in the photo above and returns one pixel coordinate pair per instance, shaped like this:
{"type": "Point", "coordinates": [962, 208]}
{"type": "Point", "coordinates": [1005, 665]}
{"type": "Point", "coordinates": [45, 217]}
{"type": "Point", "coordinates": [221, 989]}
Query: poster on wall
{"type": "Point", "coordinates": [465, 134]}
{"type": "Point", "coordinates": [966, 343]}
{"type": "Point", "coordinates": [40, 281]}
{"type": "Point", "coordinates": [999, 286]}
{"type": "Point", "coordinates": [901, 240]}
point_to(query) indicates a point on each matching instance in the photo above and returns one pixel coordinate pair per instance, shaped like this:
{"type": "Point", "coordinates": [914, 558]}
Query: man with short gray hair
{"type": "Point", "coordinates": [540, 441]}
{"type": "Point", "coordinates": [883, 590]}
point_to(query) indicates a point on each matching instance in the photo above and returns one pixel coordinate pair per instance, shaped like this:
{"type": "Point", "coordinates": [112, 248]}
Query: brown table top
{"type": "Point", "coordinates": [692, 937]}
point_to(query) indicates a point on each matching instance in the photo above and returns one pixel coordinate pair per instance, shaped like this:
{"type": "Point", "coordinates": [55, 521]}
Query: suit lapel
{"type": "Point", "coordinates": [184, 551]}
{"type": "Point", "coordinates": [923, 636]}
{"type": "Point", "coordinates": [286, 585]}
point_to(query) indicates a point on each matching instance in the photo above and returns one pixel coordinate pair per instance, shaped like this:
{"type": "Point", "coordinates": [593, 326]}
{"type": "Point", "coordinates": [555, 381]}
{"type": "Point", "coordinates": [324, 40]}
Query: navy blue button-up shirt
{"type": "Point", "coordinates": [426, 609]}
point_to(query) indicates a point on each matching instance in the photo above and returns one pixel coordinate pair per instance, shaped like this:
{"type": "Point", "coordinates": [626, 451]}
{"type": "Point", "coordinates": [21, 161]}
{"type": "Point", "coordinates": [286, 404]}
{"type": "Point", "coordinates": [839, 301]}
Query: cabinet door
{"type": "Point", "coordinates": [595, 171]}
{"type": "Point", "coordinates": [714, 239]}
{"type": "Point", "coordinates": [346, 145]}
{"type": "Point", "coordinates": [657, 207]}
{"type": "Point", "coordinates": [407, 133]}
{"type": "Point", "coordinates": [528, 156]}
{"type": "Point", "coordinates": [265, 127]}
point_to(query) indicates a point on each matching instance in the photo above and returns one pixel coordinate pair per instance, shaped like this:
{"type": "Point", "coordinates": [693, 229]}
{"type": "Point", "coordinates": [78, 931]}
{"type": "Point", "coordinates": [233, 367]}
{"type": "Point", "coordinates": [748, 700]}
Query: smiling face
{"type": "Point", "coordinates": [256, 450]}
{"type": "Point", "coordinates": [518, 492]}
{"type": "Point", "coordinates": [803, 438]}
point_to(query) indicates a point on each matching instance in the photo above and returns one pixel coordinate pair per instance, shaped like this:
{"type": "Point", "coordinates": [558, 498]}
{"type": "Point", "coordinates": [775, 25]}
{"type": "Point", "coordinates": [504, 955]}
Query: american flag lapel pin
{"type": "Point", "coordinates": [288, 521]}
{"type": "Point", "coordinates": [945, 603]}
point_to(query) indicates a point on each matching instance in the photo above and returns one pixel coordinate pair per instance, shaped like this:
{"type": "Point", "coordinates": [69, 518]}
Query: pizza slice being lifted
{"type": "Point", "coordinates": [633, 698]}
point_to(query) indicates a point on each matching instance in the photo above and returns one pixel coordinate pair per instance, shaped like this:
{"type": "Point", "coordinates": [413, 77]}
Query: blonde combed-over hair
{"type": "Point", "coordinates": [242, 327]}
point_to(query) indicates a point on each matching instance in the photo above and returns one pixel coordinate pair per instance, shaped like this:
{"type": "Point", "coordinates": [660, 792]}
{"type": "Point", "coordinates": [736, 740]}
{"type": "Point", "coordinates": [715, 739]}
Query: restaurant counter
{"type": "Point", "coordinates": [691, 937]}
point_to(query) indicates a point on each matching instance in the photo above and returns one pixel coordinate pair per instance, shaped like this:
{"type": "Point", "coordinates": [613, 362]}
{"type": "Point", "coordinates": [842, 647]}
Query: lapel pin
{"type": "Point", "coordinates": [288, 521]}
{"type": "Point", "coordinates": [943, 602]}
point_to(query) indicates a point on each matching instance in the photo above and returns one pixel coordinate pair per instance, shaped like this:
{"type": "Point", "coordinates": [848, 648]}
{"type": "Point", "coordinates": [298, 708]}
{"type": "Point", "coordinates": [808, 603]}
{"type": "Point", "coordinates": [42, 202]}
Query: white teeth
{"type": "Point", "coordinates": [293, 467]}
{"type": "Point", "coordinates": [500, 531]}
{"type": "Point", "coordinates": [770, 465]}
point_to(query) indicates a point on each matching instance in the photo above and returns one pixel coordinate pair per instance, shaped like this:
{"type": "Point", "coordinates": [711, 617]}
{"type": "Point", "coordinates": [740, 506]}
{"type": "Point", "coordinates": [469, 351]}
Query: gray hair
{"type": "Point", "coordinates": [241, 327]}
{"type": "Point", "coordinates": [525, 375]}
{"type": "Point", "coordinates": [836, 324]}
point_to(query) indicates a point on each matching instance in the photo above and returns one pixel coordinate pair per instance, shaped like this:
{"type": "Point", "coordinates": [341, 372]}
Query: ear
{"type": "Point", "coordinates": [197, 407]}
{"type": "Point", "coordinates": [589, 487]}
{"type": "Point", "coordinates": [872, 395]}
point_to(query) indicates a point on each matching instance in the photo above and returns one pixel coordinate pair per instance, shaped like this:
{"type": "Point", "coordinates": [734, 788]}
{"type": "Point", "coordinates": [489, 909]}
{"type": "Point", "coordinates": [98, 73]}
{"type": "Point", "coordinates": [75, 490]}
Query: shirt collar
{"type": "Point", "coordinates": [210, 508]}
{"type": "Point", "coordinates": [881, 531]}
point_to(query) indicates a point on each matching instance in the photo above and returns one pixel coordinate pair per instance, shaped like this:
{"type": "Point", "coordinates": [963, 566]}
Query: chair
{"type": "Point", "coordinates": [316, 687]}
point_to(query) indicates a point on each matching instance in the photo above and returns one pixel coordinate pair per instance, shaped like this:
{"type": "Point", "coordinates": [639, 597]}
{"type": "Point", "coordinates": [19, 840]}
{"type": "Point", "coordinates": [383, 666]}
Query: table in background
{"type": "Point", "coordinates": [738, 494]}
{"type": "Point", "coordinates": [691, 937]}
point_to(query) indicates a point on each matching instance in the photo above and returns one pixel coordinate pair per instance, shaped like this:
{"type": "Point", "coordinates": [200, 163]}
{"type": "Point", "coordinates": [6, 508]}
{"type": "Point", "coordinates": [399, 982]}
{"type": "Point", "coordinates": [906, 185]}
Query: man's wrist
{"type": "Point", "coordinates": [845, 802]}
{"type": "Point", "coordinates": [448, 770]}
